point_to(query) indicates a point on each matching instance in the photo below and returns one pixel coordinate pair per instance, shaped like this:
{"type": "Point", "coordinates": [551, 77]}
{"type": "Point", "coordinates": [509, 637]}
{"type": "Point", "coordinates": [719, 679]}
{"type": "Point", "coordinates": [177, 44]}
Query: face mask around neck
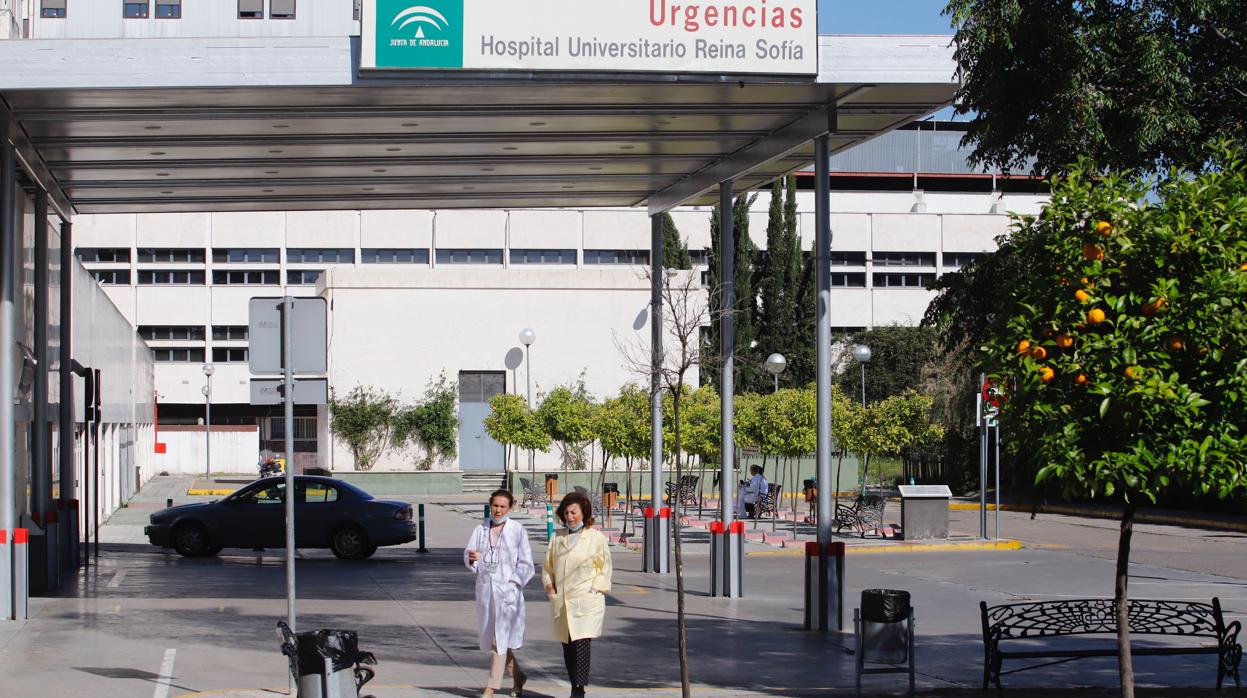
{"type": "Point", "coordinates": [499, 521]}
{"type": "Point", "coordinates": [576, 528]}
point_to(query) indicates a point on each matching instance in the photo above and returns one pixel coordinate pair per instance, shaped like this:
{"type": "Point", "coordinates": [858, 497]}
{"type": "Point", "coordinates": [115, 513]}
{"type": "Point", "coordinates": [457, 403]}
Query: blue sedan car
{"type": "Point", "coordinates": [328, 513]}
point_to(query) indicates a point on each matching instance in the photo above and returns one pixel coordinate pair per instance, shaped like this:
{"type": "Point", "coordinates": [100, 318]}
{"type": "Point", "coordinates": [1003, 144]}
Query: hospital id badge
{"type": "Point", "coordinates": [491, 567]}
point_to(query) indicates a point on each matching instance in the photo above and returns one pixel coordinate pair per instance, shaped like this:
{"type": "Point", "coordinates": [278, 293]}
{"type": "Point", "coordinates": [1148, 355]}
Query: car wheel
{"type": "Point", "coordinates": [350, 543]}
{"type": "Point", "coordinates": [190, 540]}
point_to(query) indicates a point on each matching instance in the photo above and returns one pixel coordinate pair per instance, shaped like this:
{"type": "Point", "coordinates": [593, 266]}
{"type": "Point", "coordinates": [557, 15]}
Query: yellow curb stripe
{"type": "Point", "coordinates": [909, 548]}
{"type": "Point", "coordinates": [208, 493]}
{"type": "Point", "coordinates": [971, 506]}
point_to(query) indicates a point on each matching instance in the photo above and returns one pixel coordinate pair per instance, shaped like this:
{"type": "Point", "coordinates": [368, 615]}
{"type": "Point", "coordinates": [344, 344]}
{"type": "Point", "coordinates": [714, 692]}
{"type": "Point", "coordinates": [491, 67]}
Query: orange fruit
{"type": "Point", "coordinates": [1242, 267]}
{"type": "Point", "coordinates": [1085, 280]}
{"type": "Point", "coordinates": [1024, 346]}
{"type": "Point", "coordinates": [1104, 228]}
{"type": "Point", "coordinates": [1134, 372]}
{"type": "Point", "coordinates": [1092, 252]}
{"type": "Point", "coordinates": [1046, 374]}
{"type": "Point", "coordinates": [1203, 351]}
{"type": "Point", "coordinates": [1039, 353]}
{"type": "Point", "coordinates": [1082, 296]}
{"type": "Point", "coordinates": [1080, 379]}
{"type": "Point", "coordinates": [1154, 307]}
{"type": "Point", "coordinates": [1095, 316]}
{"type": "Point", "coordinates": [1064, 341]}
{"type": "Point", "coordinates": [1175, 343]}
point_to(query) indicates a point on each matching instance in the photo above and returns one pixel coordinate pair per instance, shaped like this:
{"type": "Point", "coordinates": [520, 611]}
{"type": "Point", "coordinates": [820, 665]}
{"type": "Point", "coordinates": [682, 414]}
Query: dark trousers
{"type": "Point", "coordinates": [576, 657]}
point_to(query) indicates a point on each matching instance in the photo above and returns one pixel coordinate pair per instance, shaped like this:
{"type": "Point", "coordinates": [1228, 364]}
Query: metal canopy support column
{"type": "Point", "coordinates": [41, 469]}
{"type": "Point", "coordinates": [657, 526]}
{"type": "Point", "coordinates": [828, 596]}
{"type": "Point", "coordinates": [65, 454]}
{"type": "Point", "coordinates": [725, 564]}
{"type": "Point", "coordinates": [8, 248]}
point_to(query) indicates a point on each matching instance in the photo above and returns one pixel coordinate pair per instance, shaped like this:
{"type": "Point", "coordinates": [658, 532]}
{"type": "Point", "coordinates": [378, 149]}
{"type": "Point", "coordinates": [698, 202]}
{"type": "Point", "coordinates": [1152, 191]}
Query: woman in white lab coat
{"type": "Point", "coordinates": [499, 554]}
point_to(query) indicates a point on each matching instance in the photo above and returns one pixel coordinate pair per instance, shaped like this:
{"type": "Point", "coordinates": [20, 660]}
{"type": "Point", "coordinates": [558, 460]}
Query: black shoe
{"type": "Point", "coordinates": [578, 692]}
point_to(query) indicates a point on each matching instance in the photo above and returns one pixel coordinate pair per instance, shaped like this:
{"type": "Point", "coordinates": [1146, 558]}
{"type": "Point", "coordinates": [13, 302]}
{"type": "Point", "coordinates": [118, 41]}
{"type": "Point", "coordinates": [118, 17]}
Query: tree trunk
{"type": "Point", "coordinates": [1121, 602]}
{"type": "Point", "coordinates": [681, 631]}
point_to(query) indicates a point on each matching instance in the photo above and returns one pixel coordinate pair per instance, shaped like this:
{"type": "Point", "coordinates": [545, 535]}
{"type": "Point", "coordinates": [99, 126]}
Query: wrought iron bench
{"type": "Point", "coordinates": [532, 495]}
{"type": "Point", "coordinates": [864, 515]}
{"type": "Point", "coordinates": [1042, 619]}
{"type": "Point", "coordinates": [687, 490]}
{"type": "Point", "coordinates": [768, 503]}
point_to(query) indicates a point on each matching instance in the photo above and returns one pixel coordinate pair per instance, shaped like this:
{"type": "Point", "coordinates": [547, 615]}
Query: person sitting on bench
{"type": "Point", "coordinates": [750, 493]}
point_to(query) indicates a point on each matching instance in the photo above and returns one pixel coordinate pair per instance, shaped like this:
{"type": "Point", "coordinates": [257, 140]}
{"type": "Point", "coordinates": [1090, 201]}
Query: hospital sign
{"type": "Point", "coordinates": [763, 37]}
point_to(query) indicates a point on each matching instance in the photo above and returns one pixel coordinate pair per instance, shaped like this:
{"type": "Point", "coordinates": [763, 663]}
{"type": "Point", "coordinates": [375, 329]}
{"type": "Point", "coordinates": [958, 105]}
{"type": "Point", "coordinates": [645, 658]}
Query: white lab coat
{"type": "Point", "coordinates": [500, 595]}
{"type": "Point", "coordinates": [751, 493]}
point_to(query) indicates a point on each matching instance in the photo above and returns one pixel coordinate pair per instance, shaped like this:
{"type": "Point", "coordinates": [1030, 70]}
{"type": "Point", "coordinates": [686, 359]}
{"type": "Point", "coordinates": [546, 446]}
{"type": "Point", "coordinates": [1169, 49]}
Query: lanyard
{"type": "Point", "coordinates": [492, 547]}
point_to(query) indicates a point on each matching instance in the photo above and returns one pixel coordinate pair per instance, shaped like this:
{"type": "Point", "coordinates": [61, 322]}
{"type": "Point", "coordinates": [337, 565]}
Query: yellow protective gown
{"type": "Point", "coordinates": [581, 576]}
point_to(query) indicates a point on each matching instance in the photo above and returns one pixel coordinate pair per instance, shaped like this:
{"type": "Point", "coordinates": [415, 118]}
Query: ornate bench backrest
{"type": "Point", "coordinates": [1090, 616]}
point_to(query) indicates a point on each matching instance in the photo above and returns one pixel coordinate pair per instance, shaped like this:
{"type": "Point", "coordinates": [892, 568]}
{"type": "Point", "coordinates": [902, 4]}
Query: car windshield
{"type": "Point", "coordinates": [249, 493]}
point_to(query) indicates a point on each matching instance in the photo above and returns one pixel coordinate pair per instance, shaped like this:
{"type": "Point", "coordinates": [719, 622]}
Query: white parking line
{"type": "Point", "coordinates": [116, 580]}
{"type": "Point", "coordinates": [166, 675]}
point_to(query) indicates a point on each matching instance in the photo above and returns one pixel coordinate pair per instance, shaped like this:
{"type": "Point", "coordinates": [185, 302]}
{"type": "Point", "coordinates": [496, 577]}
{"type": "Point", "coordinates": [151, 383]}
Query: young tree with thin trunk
{"type": "Point", "coordinates": [684, 313]}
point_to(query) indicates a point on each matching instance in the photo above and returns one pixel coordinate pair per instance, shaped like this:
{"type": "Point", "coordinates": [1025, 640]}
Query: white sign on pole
{"type": "Point", "coordinates": [309, 342]}
{"type": "Point", "coordinates": [762, 37]}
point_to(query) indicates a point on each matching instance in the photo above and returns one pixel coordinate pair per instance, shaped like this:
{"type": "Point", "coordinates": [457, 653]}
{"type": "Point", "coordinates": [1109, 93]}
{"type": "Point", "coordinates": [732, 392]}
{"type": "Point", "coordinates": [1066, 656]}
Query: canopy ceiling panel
{"type": "Point", "coordinates": [119, 125]}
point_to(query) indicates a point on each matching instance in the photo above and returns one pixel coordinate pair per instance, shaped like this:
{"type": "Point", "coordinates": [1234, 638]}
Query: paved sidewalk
{"type": "Point", "coordinates": [211, 620]}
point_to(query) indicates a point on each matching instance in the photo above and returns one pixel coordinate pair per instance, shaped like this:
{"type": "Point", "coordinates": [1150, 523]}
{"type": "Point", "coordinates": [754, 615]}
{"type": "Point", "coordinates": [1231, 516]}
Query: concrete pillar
{"type": "Point", "coordinates": [8, 257]}
{"type": "Point", "coordinates": [726, 566]}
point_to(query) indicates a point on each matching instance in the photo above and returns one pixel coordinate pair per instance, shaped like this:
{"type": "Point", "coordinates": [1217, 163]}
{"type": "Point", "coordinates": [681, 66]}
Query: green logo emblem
{"type": "Point", "coordinates": [419, 33]}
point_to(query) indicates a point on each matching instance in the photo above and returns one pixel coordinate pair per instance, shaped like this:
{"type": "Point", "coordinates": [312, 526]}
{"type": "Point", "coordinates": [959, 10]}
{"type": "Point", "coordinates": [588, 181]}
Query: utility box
{"type": "Point", "coordinates": [924, 511]}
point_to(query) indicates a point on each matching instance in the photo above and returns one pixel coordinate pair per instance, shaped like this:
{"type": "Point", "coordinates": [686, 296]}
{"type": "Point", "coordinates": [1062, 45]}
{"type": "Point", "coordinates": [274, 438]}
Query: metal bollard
{"type": "Point", "coordinates": [21, 572]}
{"type": "Point", "coordinates": [74, 532]}
{"type": "Point", "coordinates": [422, 549]}
{"type": "Point", "coordinates": [169, 503]}
{"type": "Point", "coordinates": [824, 587]}
{"type": "Point", "coordinates": [727, 553]}
{"type": "Point", "coordinates": [549, 522]}
{"type": "Point", "coordinates": [6, 577]}
{"type": "Point", "coordinates": [487, 512]}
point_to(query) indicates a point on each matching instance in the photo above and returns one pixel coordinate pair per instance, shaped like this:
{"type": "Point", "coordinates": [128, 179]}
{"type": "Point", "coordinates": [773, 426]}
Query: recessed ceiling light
{"type": "Point", "coordinates": [510, 147]}
{"type": "Point", "coordinates": [369, 189]}
{"type": "Point", "coordinates": [270, 172]}
{"type": "Point", "coordinates": [393, 150]}
{"type": "Point", "coordinates": [468, 188]}
{"type": "Point", "coordinates": [166, 192]}
{"type": "Point", "coordinates": [627, 147]}
{"type": "Point", "coordinates": [536, 123]}
{"type": "Point", "coordinates": [567, 186]}
{"type": "Point", "coordinates": [267, 191]}
{"type": "Point", "coordinates": [162, 174]}
{"type": "Point", "coordinates": [595, 169]}
{"type": "Point", "coordinates": [277, 150]}
{"type": "Point", "coordinates": [379, 171]}
{"type": "Point", "coordinates": [487, 169]}
{"type": "Point", "coordinates": [158, 152]}
{"type": "Point", "coordinates": [153, 128]}
{"type": "Point", "coordinates": [281, 125]}
{"type": "Point", "coordinates": [410, 124]}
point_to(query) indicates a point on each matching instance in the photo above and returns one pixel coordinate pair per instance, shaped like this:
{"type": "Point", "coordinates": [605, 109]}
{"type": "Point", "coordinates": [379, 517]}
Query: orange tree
{"type": "Point", "coordinates": [1124, 342]}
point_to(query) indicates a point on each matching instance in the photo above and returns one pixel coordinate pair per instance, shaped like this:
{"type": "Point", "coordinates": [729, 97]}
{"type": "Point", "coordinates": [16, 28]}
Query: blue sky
{"type": "Point", "coordinates": [882, 17]}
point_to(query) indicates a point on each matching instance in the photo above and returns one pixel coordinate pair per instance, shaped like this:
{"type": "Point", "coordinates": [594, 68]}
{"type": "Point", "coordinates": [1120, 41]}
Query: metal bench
{"type": "Point", "coordinates": [687, 490]}
{"type": "Point", "coordinates": [864, 515]}
{"type": "Point", "coordinates": [768, 503]}
{"type": "Point", "coordinates": [1042, 619]}
{"type": "Point", "coordinates": [532, 496]}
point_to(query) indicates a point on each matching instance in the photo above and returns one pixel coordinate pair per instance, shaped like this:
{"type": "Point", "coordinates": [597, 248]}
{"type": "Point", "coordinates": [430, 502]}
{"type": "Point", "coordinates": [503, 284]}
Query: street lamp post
{"type": "Point", "coordinates": [527, 337]}
{"type": "Point", "coordinates": [776, 363]}
{"type": "Point", "coordinates": [209, 369]}
{"type": "Point", "coordinates": [861, 353]}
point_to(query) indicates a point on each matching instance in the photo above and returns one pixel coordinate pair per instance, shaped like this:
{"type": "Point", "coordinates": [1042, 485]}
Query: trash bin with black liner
{"type": "Point", "coordinates": [883, 630]}
{"type": "Point", "coordinates": [327, 663]}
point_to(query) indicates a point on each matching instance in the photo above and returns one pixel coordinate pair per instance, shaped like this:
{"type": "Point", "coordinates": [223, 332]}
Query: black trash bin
{"type": "Point", "coordinates": [884, 628]}
{"type": "Point", "coordinates": [328, 662]}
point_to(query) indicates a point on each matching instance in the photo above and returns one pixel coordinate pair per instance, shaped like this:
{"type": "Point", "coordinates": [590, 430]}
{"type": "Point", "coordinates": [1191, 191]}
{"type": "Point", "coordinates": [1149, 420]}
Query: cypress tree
{"type": "Point", "coordinates": [674, 248]}
{"type": "Point", "coordinates": [775, 303]}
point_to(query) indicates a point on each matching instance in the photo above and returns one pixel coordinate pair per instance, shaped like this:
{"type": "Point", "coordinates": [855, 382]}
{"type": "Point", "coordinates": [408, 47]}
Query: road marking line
{"type": "Point", "coordinates": [116, 580]}
{"type": "Point", "coordinates": [166, 675]}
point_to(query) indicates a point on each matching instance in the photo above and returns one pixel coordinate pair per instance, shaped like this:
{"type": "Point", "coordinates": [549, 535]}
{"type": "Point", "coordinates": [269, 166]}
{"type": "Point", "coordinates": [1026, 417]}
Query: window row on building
{"type": "Point", "coordinates": [192, 333]}
{"type": "Point", "coordinates": [172, 9]}
{"type": "Point", "coordinates": [191, 277]}
{"type": "Point", "coordinates": [195, 355]}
